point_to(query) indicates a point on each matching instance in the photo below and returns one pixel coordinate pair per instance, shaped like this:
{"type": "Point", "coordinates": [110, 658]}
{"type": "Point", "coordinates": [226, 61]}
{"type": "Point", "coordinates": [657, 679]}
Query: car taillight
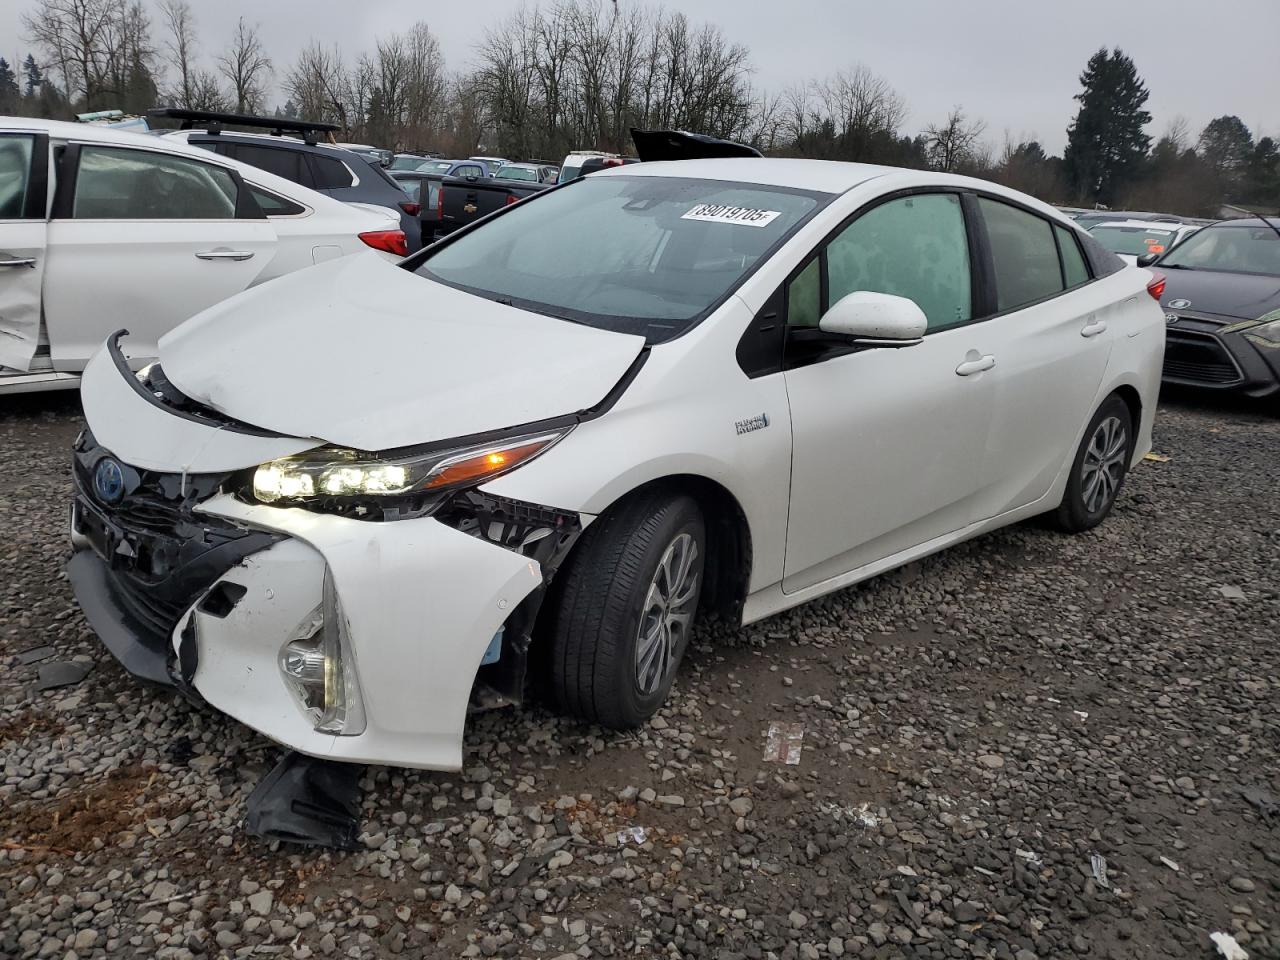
{"type": "Point", "coordinates": [613, 161]}
{"type": "Point", "coordinates": [440, 203]}
{"type": "Point", "coordinates": [410, 207]}
{"type": "Point", "coordinates": [390, 241]}
{"type": "Point", "coordinates": [511, 198]}
{"type": "Point", "coordinates": [1156, 286]}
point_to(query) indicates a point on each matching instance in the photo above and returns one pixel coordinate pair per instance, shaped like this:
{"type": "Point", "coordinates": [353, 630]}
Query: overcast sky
{"type": "Point", "coordinates": [1013, 63]}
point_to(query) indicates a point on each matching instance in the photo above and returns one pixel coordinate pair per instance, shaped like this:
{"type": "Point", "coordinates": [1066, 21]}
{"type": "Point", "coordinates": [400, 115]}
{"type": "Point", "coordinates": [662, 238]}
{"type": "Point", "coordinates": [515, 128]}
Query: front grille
{"type": "Point", "coordinates": [1198, 358]}
{"type": "Point", "coordinates": [160, 555]}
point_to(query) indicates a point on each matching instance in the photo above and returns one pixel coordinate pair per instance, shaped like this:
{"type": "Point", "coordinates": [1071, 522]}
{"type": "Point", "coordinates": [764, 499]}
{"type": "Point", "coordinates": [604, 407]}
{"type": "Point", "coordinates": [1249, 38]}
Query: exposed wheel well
{"type": "Point", "coordinates": [1133, 400]}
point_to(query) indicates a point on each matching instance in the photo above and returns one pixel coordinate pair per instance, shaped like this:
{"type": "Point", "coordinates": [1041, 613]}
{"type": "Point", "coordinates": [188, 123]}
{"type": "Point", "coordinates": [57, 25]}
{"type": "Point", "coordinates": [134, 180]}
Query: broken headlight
{"type": "Point", "coordinates": [331, 473]}
{"type": "Point", "coordinates": [319, 668]}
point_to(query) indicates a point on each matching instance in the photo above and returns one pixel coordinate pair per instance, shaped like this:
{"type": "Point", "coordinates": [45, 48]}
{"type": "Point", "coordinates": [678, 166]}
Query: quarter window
{"type": "Point", "coordinates": [15, 176]}
{"type": "Point", "coordinates": [274, 205]}
{"type": "Point", "coordinates": [804, 296]}
{"type": "Point", "coordinates": [122, 184]}
{"type": "Point", "coordinates": [1073, 268]}
{"type": "Point", "coordinates": [331, 174]}
{"type": "Point", "coordinates": [913, 247]}
{"type": "Point", "coordinates": [1024, 254]}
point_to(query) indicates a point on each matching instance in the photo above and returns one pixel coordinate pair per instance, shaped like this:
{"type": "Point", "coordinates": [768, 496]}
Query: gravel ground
{"type": "Point", "coordinates": [976, 728]}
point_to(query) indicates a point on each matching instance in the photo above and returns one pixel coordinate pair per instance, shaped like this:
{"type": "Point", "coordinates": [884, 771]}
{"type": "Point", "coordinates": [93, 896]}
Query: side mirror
{"type": "Point", "coordinates": [1147, 259]}
{"type": "Point", "coordinates": [876, 319]}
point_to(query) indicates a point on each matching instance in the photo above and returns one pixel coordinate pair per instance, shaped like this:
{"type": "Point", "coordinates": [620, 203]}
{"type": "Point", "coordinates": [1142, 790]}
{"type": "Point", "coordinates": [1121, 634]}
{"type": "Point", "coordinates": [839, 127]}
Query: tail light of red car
{"type": "Point", "coordinates": [389, 241]}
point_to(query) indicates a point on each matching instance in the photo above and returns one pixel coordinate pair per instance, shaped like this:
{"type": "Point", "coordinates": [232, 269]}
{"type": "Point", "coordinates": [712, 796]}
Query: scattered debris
{"type": "Point", "coordinates": [26, 657]}
{"type": "Point", "coordinates": [61, 673]}
{"type": "Point", "coordinates": [782, 743]}
{"type": "Point", "coordinates": [1171, 865]}
{"type": "Point", "coordinates": [862, 814]}
{"type": "Point", "coordinates": [309, 801]}
{"type": "Point", "coordinates": [636, 835]}
{"type": "Point", "coordinates": [1261, 801]}
{"type": "Point", "coordinates": [1231, 592]}
{"type": "Point", "coordinates": [1082, 714]}
{"type": "Point", "coordinates": [1030, 856]}
{"type": "Point", "coordinates": [1157, 457]}
{"type": "Point", "coordinates": [1228, 947]}
{"type": "Point", "coordinates": [1099, 864]}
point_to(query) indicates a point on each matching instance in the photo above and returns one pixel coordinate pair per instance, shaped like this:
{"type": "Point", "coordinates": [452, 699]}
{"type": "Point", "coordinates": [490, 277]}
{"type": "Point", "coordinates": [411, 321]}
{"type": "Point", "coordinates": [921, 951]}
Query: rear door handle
{"type": "Point", "coordinates": [225, 255]}
{"type": "Point", "coordinates": [18, 262]}
{"type": "Point", "coordinates": [1093, 327]}
{"type": "Point", "coordinates": [970, 367]}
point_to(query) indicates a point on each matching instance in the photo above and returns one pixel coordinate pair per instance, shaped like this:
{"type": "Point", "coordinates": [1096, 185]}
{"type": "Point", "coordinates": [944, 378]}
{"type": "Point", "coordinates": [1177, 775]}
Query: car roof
{"type": "Point", "coordinates": [824, 176]}
{"type": "Point", "coordinates": [1166, 226]}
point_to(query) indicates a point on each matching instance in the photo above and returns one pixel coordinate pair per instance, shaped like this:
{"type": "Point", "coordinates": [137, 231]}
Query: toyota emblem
{"type": "Point", "coordinates": [108, 481]}
{"type": "Point", "coordinates": [1170, 318]}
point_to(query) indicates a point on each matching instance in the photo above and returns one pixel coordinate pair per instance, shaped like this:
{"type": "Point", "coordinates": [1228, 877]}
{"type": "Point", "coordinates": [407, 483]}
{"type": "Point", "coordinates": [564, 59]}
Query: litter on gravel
{"type": "Point", "coordinates": [1228, 947]}
{"type": "Point", "coordinates": [1171, 865]}
{"type": "Point", "coordinates": [27, 657]}
{"type": "Point", "coordinates": [1157, 457]}
{"type": "Point", "coordinates": [1231, 592]}
{"type": "Point", "coordinates": [636, 835]}
{"type": "Point", "coordinates": [1099, 864]}
{"type": "Point", "coordinates": [782, 743]}
{"type": "Point", "coordinates": [61, 673]}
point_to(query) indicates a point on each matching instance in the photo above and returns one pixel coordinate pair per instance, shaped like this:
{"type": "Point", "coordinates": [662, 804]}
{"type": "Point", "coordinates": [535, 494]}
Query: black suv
{"type": "Point", "coordinates": [331, 170]}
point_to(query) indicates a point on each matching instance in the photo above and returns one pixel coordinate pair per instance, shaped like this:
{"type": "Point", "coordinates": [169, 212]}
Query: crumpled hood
{"type": "Point", "coordinates": [364, 354]}
{"type": "Point", "coordinates": [1239, 296]}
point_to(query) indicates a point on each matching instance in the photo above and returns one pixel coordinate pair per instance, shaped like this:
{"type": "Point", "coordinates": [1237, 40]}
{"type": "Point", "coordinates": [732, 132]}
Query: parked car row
{"type": "Point", "coordinates": [101, 228]}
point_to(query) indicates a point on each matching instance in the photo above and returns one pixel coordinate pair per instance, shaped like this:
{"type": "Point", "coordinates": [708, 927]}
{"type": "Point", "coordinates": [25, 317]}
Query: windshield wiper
{"type": "Point", "coordinates": [1175, 266]}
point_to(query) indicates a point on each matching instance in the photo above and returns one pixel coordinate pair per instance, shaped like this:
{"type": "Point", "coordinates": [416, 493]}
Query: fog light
{"type": "Point", "coordinates": [319, 668]}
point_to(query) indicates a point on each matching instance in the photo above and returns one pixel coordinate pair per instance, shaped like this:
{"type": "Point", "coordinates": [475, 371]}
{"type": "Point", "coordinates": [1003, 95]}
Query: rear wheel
{"type": "Point", "coordinates": [1099, 468]}
{"type": "Point", "coordinates": [625, 610]}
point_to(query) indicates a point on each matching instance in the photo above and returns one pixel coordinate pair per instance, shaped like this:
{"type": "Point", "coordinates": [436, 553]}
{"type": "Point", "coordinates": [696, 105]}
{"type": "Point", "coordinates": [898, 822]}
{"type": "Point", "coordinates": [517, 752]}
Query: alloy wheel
{"type": "Point", "coordinates": [669, 606]}
{"type": "Point", "coordinates": [1103, 466]}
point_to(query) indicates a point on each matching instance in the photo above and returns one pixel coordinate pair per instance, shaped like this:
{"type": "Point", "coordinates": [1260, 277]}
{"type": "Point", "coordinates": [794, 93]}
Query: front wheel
{"type": "Point", "coordinates": [1099, 468]}
{"type": "Point", "coordinates": [626, 609]}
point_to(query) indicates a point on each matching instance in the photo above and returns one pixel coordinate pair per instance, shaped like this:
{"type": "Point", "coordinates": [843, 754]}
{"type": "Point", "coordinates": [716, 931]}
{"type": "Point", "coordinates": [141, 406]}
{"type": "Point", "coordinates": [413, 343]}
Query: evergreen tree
{"type": "Point", "coordinates": [1262, 174]}
{"type": "Point", "coordinates": [34, 78]}
{"type": "Point", "coordinates": [1226, 145]}
{"type": "Point", "coordinates": [1106, 144]}
{"type": "Point", "coordinates": [8, 88]}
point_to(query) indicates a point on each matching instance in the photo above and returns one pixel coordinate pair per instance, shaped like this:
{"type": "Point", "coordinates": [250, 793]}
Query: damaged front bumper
{"type": "Point", "coordinates": [187, 584]}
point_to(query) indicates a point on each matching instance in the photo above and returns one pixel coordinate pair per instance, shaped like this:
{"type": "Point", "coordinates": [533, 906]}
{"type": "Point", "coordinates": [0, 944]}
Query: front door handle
{"type": "Point", "coordinates": [970, 367]}
{"type": "Point", "coordinates": [1093, 327]}
{"type": "Point", "coordinates": [18, 262]}
{"type": "Point", "coordinates": [225, 255]}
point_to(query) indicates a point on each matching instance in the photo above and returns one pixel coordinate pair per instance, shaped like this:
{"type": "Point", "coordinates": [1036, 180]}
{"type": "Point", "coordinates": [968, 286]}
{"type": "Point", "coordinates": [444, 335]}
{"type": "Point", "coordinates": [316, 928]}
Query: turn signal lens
{"type": "Point", "coordinates": [482, 464]}
{"type": "Point", "coordinates": [1156, 286]}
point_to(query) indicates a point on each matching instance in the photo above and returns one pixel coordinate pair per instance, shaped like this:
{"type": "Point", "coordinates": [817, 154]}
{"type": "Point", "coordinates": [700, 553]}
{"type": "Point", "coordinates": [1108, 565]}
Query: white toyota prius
{"type": "Point", "coordinates": [351, 505]}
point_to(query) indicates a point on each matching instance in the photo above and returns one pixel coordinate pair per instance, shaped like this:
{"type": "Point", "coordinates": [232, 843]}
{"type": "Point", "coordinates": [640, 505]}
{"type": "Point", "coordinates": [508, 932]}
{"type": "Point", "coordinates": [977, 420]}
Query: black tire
{"type": "Point", "coordinates": [600, 599]}
{"type": "Point", "coordinates": [1082, 508]}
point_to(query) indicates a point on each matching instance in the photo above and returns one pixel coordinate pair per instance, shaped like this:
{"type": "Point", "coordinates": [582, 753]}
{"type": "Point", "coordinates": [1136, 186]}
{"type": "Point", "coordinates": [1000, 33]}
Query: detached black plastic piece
{"type": "Point", "coordinates": [308, 801]}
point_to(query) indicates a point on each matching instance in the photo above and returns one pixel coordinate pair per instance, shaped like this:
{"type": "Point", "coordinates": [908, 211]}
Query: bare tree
{"type": "Point", "coordinates": [72, 34]}
{"type": "Point", "coordinates": [180, 50]}
{"type": "Point", "coordinates": [318, 83]}
{"type": "Point", "coordinates": [954, 141]}
{"type": "Point", "coordinates": [246, 67]}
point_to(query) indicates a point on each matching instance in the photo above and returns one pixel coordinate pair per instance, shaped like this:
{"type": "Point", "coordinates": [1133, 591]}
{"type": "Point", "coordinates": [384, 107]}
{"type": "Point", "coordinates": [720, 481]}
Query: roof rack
{"type": "Point", "coordinates": [213, 122]}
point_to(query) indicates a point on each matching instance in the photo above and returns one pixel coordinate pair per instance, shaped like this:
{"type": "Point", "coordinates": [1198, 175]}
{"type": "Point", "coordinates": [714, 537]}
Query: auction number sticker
{"type": "Point", "coordinates": [721, 213]}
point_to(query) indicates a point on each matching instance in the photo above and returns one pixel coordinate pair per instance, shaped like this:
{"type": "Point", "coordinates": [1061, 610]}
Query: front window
{"type": "Point", "coordinates": [643, 255]}
{"type": "Point", "coordinates": [116, 183]}
{"type": "Point", "coordinates": [1229, 248]}
{"type": "Point", "coordinates": [1134, 241]}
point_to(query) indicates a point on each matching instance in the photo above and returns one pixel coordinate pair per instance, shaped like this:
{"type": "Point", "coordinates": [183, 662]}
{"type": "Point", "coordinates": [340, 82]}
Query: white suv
{"type": "Point", "coordinates": [352, 505]}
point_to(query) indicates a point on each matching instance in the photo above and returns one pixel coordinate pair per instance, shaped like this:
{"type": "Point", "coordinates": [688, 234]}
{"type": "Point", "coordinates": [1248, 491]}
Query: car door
{"type": "Point", "coordinates": [24, 164]}
{"type": "Point", "coordinates": [144, 239]}
{"type": "Point", "coordinates": [1051, 340]}
{"type": "Point", "coordinates": [887, 441]}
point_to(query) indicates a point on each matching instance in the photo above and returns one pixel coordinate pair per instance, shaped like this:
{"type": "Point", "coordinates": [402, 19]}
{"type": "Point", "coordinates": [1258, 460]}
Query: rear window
{"type": "Point", "coordinates": [1135, 241]}
{"type": "Point", "coordinates": [412, 187]}
{"type": "Point", "coordinates": [512, 172]}
{"type": "Point", "coordinates": [330, 174]}
{"type": "Point", "coordinates": [643, 255]}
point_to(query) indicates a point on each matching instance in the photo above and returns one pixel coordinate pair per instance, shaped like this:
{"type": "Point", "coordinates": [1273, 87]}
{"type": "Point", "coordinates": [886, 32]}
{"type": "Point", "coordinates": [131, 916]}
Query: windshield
{"type": "Point", "coordinates": [645, 255]}
{"type": "Point", "coordinates": [568, 173]}
{"type": "Point", "coordinates": [1230, 248]}
{"type": "Point", "coordinates": [1135, 241]}
{"type": "Point", "coordinates": [512, 172]}
{"type": "Point", "coordinates": [406, 162]}
{"type": "Point", "coordinates": [437, 166]}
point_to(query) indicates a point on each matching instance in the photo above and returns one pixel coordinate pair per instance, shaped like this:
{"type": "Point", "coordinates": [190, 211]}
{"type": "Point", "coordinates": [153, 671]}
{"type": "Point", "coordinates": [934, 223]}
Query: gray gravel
{"type": "Point", "coordinates": [977, 727]}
